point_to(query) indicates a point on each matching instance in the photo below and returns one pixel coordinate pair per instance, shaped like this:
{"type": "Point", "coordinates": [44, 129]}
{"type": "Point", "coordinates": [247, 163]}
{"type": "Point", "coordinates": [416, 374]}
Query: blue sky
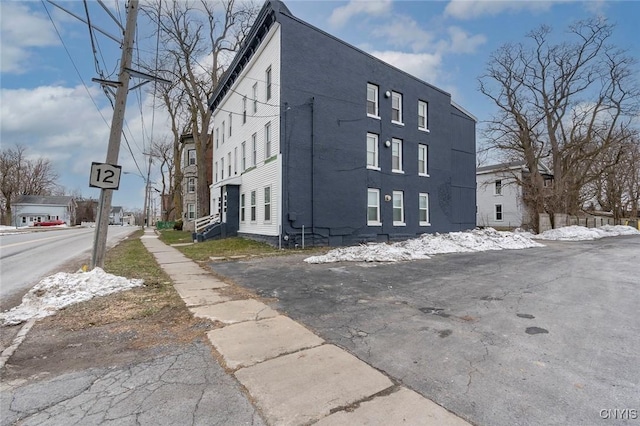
{"type": "Point", "coordinates": [46, 107]}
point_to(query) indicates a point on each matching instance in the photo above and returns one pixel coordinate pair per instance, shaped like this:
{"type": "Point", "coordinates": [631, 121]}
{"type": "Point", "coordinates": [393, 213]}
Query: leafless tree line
{"type": "Point", "coordinates": [571, 106]}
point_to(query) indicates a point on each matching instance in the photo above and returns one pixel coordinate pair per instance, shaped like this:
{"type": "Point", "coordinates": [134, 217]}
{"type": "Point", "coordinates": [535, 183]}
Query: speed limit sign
{"type": "Point", "coordinates": [105, 176]}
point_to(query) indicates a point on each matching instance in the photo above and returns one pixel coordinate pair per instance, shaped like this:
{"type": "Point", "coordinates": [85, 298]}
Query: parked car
{"type": "Point", "coordinates": [49, 223]}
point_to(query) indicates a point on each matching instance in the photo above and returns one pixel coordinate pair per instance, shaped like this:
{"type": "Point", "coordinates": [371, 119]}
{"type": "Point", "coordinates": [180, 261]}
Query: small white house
{"type": "Point", "coordinates": [116, 215]}
{"type": "Point", "coordinates": [499, 194]}
{"type": "Point", "coordinates": [31, 209]}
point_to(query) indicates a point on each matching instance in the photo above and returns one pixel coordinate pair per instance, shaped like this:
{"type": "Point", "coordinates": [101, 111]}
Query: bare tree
{"type": "Point", "coordinates": [563, 105]}
{"type": "Point", "coordinates": [196, 38]}
{"type": "Point", "coordinates": [22, 176]}
{"type": "Point", "coordinates": [164, 152]}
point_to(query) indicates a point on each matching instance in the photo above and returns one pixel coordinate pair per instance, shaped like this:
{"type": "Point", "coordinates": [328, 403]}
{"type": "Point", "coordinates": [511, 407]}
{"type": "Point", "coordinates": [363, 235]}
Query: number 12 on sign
{"type": "Point", "coordinates": [105, 176]}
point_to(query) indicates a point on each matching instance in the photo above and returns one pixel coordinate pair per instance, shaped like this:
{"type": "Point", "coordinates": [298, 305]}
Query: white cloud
{"type": "Point", "coordinates": [404, 31]}
{"type": "Point", "coordinates": [462, 42]}
{"type": "Point", "coordinates": [341, 15]}
{"type": "Point", "coordinates": [425, 66]}
{"type": "Point", "coordinates": [470, 9]}
{"type": "Point", "coordinates": [22, 29]}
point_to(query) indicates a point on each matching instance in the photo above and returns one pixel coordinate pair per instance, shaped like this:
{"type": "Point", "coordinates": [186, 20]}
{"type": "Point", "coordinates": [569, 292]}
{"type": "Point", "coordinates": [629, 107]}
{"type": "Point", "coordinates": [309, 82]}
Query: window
{"type": "Point", "coordinates": [498, 211]}
{"type": "Point", "coordinates": [423, 107]}
{"type": "Point", "coordinates": [396, 107]}
{"type": "Point", "coordinates": [254, 149]}
{"type": "Point", "coordinates": [267, 78]}
{"type": "Point", "coordinates": [235, 160]}
{"type": "Point", "coordinates": [372, 151]}
{"type": "Point", "coordinates": [372, 100]}
{"type": "Point", "coordinates": [229, 163]}
{"type": "Point", "coordinates": [243, 156]}
{"type": "Point", "coordinates": [191, 211]}
{"type": "Point", "coordinates": [267, 140]}
{"type": "Point", "coordinates": [497, 189]}
{"type": "Point", "coordinates": [423, 155]}
{"type": "Point", "coordinates": [223, 132]}
{"type": "Point", "coordinates": [373, 207]}
{"type": "Point", "coordinates": [396, 155]}
{"type": "Point", "coordinates": [255, 98]}
{"type": "Point", "coordinates": [423, 209]}
{"type": "Point", "coordinates": [253, 206]}
{"type": "Point", "coordinates": [216, 171]}
{"type": "Point", "coordinates": [191, 157]}
{"type": "Point", "coordinates": [230, 123]}
{"type": "Point", "coordinates": [267, 204]}
{"type": "Point", "coordinates": [191, 185]}
{"type": "Point", "coordinates": [244, 109]}
{"type": "Point", "coordinates": [398, 208]}
{"type": "Point", "coordinates": [217, 136]}
{"type": "Point", "coordinates": [242, 207]}
{"type": "Point", "coordinates": [222, 168]}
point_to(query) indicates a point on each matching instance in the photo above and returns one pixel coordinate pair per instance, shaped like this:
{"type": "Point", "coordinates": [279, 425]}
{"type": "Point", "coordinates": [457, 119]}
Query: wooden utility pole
{"type": "Point", "coordinates": [104, 208]}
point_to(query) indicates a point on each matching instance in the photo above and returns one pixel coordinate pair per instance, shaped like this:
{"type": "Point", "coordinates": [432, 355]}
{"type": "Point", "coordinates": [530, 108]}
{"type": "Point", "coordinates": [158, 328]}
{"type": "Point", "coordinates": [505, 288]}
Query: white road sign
{"type": "Point", "coordinates": [105, 176]}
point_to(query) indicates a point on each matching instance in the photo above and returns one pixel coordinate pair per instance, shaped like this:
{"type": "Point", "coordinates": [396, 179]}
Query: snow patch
{"type": "Point", "coordinates": [580, 233]}
{"type": "Point", "coordinates": [63, 289]}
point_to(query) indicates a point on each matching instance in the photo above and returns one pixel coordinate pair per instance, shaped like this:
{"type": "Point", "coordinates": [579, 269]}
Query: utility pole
{"type": "Point", "coordinates": [104, 208]}
{"type": "Point", "coordinates": [147, 192]}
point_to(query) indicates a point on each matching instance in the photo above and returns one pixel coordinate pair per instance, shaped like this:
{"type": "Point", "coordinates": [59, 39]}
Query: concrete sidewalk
{"type": "Point", "coordinates": [293, 375]}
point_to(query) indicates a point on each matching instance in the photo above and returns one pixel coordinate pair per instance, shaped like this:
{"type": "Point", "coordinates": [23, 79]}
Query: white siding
{"type": "Point", "coordinates": [267, 171]}
{"type": "Point", "coordinates": [510, 199]}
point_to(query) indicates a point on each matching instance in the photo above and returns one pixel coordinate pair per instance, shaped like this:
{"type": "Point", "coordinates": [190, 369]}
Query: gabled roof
{"type": "Point", "coordinates": [43, 199]}
{"type": "Point", "coordinates": [513, 165]}
{"type": "Point", "coordinates": [116, 209]}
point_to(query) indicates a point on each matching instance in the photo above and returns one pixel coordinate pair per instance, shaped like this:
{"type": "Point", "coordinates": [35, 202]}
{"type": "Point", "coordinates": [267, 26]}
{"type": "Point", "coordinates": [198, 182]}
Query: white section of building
{"type": "Point", "coordinates": [246, 141]}
{"type": "Point", "coordinates": [499, 197]}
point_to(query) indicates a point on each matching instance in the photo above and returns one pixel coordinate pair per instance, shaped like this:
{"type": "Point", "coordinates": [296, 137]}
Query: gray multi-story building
{"type": "Point", "coordinates": [313, 135]}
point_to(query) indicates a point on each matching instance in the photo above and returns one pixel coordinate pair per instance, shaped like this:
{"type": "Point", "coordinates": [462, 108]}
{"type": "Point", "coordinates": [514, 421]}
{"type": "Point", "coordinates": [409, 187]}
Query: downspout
{"type": "Point", "coordinates": [313, 187]}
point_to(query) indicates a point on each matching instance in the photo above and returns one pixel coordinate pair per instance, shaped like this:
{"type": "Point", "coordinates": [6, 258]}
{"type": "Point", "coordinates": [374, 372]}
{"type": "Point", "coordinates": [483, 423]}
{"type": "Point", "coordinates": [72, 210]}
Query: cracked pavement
{"type": "Point", "coordinates": [186, 387]}
{"type": "Point", "coordinates": [516, 337]}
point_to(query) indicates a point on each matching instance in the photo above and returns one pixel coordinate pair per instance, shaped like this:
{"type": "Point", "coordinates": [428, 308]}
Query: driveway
{"type": "Point", "coordinates": [523, 337]}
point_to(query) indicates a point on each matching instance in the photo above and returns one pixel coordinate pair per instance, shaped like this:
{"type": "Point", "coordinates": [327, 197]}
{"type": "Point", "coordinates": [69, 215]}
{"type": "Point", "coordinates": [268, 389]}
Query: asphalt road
{"type": "Point", "coordinates": [26, 257]}
{"type": "Point", "coordinates": [524, 337]}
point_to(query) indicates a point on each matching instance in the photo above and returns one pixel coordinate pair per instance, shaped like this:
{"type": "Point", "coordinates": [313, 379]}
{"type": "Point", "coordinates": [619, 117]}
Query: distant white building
{"type": "Point", "coordinates": [499, 194]}
{"type": "Point", "coordinates": [116, 215]}
{"type": "Point", "coordinates": [31, 209]}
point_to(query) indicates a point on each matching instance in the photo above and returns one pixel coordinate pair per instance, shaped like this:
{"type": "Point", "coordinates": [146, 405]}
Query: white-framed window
{"type": "Point", "coordinates": [242, 207]}
{"type": "Point", "coordinates": [191, 185]}
{"type": "Point", "coordinates": [267, 79]}
{"type": "Point", "coordinates": [267, 204]}
{"type": "Point", "coordinates": [498, 212]}
{"type": "Point", "coordinates": [372, 100]}
{"type": "Point", "coordinates": [230, 123]}
{"type": "Point", "coordinates": [253, 206]}
{"type": "Point", "coordinates": [244, 109]}
{"type": "Point", "coordinates": [423, 116]}
{"type": "Point", "coordinates": [191, 211]}
{"type": "Point", "coordinates": [216, 171]}
{"type": "Point", "coordinates": [373, 207]}
{"type": "Point", "coordinates": [423, 209]}
{"type": "Point", "coordinates": [423, 160]}
{"type": "Point", "coordinates": [229, 163]}
{"type": "Point", "coordinates": [222, 168]}
{"type": "Point", "coordinates": [372, 151]}
{"type": "Point", "coordinates": [396, 155]}
{"type": "Point", "coordinates": [398, 208]}
{"type": "Point", "coordinates": [222, 127]}
{"type": "Point", "coordinates": [217, 137]}
{"type": "Point", "coordinates": [497, 187]}
{"type": "Point", "coordinates": [396, 107]}
{"type": "Point", "coordinates": [423, 109]}
{"type": "Point", "coordinates": [255, 98]}
{"type": "Point", "coordinates": [243, 156]}
{"type": "Point", "coordinates": [254, 149]}
{"type": "Point", "coordinates": [235, 160]}
{"type": "Point", "coordinates": [191, 157]}
{"type": "Point", "coordinates": [267, 140]}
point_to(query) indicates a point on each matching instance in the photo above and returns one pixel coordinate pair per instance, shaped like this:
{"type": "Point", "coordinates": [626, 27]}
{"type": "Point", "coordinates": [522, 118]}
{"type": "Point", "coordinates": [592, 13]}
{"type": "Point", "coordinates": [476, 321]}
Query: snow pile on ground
{"type": "Point", "coordinates": [429, 244]}
{"type": "Point", "coordinates": [62, 289]}
{"type": "Point", "coordinates": [580, 233]}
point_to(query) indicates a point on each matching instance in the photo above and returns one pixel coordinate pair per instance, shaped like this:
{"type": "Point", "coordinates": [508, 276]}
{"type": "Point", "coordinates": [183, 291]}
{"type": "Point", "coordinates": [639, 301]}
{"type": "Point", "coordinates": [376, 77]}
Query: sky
{"type": "Point", "coordinates": [63, 289]}
{"type": "Point", "coordinates": [49, 104]}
